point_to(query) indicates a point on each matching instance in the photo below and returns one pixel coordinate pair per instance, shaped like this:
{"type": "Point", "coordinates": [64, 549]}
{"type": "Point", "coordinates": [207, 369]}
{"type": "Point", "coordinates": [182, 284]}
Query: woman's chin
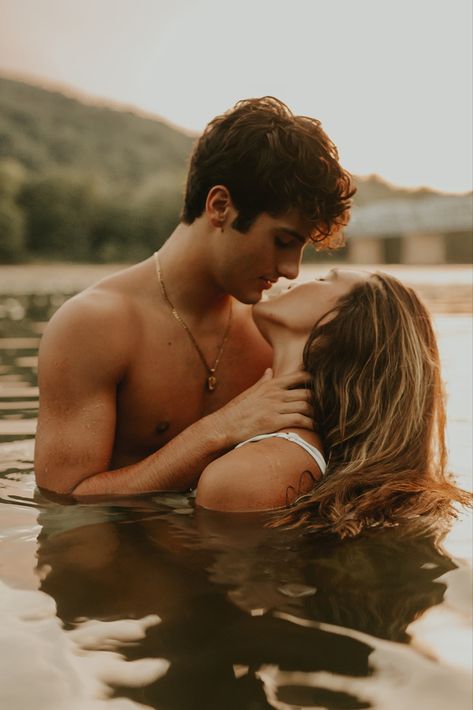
{"type": "Point", "coordinates": [260, 318]}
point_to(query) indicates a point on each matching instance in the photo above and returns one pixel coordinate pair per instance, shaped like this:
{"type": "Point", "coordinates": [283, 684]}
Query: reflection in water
{"type": "Point", "coordinates": [228, 593]}
{"type": "Point", "coordinates": [64, 669]}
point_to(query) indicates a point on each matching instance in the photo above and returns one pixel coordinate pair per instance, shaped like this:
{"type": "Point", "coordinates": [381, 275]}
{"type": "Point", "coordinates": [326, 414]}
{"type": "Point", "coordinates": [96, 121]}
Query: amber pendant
{"type": "Point", "coordinates": [211, 382]}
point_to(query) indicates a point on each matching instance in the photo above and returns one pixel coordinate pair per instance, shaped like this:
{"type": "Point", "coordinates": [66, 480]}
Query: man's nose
{"type": "Point", "coordinates": [289, 267]}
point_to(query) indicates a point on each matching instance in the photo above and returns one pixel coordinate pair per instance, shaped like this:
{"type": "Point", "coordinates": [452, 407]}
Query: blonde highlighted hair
{"type": "Point", "coordinates": [379, 408]}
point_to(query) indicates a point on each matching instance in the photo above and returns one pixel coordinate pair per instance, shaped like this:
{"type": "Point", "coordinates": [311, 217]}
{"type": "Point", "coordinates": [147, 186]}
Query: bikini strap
{"type": "Point", "coordinates": [296, 439]}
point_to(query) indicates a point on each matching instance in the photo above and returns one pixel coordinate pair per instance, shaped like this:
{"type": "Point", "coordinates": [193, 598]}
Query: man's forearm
{"type": "Point", "coordinates": [175, 467]}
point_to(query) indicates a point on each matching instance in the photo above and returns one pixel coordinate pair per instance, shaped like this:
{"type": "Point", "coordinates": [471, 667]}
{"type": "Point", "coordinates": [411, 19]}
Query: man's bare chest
{"type": "Point", "coordinates": [165, 388]}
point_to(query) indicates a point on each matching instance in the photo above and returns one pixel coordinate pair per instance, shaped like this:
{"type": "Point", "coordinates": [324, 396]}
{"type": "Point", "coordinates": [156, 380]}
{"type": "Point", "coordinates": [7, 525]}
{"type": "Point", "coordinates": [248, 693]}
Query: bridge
{"type": "Point", "coordinates": [421, 230]}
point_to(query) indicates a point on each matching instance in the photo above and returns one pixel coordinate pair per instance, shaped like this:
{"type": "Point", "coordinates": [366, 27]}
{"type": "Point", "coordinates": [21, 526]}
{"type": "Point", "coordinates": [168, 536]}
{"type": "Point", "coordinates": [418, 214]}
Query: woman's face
{"type": "Point", "coordinates": [301, 306]}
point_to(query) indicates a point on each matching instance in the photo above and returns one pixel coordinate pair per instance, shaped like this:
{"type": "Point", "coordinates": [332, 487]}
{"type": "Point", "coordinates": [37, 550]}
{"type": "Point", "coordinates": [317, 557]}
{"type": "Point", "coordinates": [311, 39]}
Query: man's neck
{"type": "Point", "coordinates": [186, 268]}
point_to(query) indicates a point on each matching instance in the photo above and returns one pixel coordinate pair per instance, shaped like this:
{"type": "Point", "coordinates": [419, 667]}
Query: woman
{"type": "Point", "coordinates": [377, 454]}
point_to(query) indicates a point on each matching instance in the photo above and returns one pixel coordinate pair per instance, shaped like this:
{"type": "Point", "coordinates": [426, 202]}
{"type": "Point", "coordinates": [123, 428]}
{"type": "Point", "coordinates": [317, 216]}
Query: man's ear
{"type": "Point", "coordinates": [219, 206]}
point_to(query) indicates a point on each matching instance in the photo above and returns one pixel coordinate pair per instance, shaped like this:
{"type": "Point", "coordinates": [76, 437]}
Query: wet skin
{"type": "Point", "coordinates": [164, 389]}
{"type": "Point", "coordinates": [152, 410]}
{"type": "Point", "coordinates": [284, 472]}
{"type": "Point", "coordinates": [119, 376]}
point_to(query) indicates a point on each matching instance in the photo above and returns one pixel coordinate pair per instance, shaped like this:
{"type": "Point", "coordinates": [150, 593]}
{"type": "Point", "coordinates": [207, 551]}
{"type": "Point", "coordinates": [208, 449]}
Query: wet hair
{"type": "Point", "coordinates": [271, 161]}
{"type": "Point", "coordinates": [379, 408]}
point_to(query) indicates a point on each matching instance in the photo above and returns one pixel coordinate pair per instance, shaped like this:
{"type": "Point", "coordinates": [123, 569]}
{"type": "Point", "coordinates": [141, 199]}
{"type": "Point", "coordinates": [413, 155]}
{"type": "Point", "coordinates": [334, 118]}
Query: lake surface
{"type": "Point", "coordinates": [148, 602]}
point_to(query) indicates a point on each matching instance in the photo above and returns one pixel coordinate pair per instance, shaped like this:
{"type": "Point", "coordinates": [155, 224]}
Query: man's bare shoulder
{"type": "Point", "coordinates": [96, 329]}
{"type": "Point", "coordinates": [109, 307]}
{"type": "Point", "coordinates": [85, 314]}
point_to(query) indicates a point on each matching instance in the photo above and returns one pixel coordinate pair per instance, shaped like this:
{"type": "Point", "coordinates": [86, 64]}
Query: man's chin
{"type": "Point", "coordinates": [249, 300]}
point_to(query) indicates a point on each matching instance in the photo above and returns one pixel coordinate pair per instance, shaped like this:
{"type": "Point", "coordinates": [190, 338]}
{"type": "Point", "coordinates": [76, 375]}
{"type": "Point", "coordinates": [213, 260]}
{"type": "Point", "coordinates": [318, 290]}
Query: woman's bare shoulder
{"type": "Point", "coordinates": [263, 475]}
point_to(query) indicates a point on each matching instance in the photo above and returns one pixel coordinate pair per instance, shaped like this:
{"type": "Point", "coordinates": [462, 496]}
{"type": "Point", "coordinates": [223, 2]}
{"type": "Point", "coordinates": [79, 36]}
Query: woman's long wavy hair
{"type": "Point", "coordinates": [379, 408]}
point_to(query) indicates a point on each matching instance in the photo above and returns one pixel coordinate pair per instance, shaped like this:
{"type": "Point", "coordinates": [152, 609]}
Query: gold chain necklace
{"type": "Point", "coordinates": [211, 377]}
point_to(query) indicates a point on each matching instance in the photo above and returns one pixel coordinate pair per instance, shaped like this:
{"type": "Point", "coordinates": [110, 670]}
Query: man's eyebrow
{"type": "Point", "coordinates": [293, 233]}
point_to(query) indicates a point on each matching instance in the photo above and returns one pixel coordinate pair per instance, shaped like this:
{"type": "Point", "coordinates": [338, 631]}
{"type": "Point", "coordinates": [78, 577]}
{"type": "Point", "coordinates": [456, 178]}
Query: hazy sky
{"type": "Point", "coordinates": [391, 80]}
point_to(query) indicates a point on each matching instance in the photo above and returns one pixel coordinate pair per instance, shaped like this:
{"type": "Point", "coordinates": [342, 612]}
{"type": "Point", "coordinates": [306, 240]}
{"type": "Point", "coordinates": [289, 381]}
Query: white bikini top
{"type": "Point", "coordinates": [296, 439]}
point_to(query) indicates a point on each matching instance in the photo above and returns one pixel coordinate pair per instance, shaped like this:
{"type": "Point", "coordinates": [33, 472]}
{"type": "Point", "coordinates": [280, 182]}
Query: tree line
{"type": "Point", "coordinates": [73, 217]}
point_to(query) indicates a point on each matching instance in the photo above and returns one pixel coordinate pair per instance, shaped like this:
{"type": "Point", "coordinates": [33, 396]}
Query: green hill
{"type": "Point", "coordinates": [372, 188]}
{"type": "Point", "coordinates": [45, 130]}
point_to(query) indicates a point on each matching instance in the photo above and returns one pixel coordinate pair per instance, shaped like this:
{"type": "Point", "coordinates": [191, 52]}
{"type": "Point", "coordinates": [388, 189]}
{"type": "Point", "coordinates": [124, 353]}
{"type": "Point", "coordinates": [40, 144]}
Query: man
{"type": "Point", "coordinates": [149, 375]}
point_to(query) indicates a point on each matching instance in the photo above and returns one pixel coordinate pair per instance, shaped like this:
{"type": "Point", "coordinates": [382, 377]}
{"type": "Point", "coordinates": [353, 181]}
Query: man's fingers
{"type": "Point", "coordinates": [293, 378]}
{"type": "Point", "coordinates": [298, 395]}
{"type": "Point", "coordinates": [297, 421]}
{"type": "Point", "coordinates": [298, 407]}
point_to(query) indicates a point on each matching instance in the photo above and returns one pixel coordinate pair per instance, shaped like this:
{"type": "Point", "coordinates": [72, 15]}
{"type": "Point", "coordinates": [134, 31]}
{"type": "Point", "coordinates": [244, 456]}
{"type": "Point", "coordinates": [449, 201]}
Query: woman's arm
{"type": "Point", "coordinates": [263, 475]}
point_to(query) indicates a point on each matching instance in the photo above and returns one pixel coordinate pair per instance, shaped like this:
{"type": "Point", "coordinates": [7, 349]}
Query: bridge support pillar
{"type": "Point", "coordinates": [423, 248]}
{"type": "Point", "coordinates": [366, 251]}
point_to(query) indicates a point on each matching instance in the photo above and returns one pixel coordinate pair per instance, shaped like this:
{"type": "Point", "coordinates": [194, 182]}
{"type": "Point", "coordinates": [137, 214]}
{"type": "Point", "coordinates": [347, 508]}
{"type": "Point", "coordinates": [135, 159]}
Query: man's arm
{"type": "Point", "coordinates": [78, 377]}
{"type": "Point", "coordinates": [82, 358]}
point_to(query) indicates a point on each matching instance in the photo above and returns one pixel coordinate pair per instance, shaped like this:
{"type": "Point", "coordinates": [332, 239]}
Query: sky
{"type": "Point", "coordinates": [391, 80]}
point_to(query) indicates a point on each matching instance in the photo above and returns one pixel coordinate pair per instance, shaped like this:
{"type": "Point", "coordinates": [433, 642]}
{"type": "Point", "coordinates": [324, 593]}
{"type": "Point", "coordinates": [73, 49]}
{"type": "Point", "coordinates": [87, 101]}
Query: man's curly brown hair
{"type": "Point", "coordinates": [271, 161]}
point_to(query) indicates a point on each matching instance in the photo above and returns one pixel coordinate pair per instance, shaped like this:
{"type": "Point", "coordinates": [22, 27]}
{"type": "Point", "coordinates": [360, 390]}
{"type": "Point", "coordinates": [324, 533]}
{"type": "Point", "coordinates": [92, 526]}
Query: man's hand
{"type": "Point", "coordinates": [269, 405]}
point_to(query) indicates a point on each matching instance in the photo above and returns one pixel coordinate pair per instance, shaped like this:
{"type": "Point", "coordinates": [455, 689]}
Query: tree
{"type": "Point", "coordinates": [12, 231]}
{"type": "Point", "coordinates": [60, 213]}
{"type": "Point", "coordinates": [12, 178]}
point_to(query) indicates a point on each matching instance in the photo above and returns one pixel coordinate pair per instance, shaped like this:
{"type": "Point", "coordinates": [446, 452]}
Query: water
{"type": "Point", "coordinates": [149, 602]}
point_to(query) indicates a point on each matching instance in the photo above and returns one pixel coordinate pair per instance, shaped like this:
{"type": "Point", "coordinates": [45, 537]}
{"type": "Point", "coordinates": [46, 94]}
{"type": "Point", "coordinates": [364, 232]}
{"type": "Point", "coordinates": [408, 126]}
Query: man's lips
{"type": "Point", "coordinates": [267, 283]}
